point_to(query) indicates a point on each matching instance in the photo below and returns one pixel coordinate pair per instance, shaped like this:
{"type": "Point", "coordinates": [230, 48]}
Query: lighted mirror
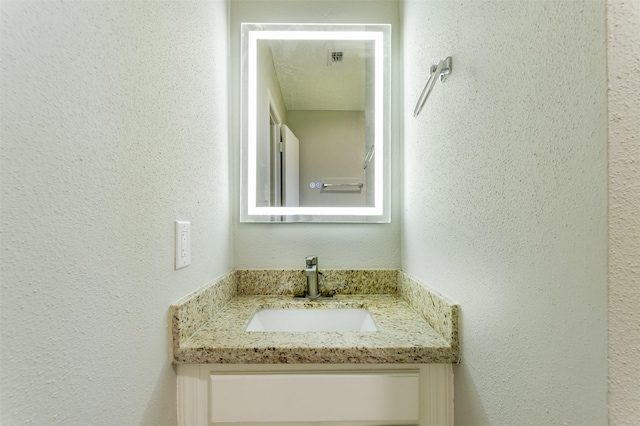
{"type": "Point", "coordinates": [315, 123]}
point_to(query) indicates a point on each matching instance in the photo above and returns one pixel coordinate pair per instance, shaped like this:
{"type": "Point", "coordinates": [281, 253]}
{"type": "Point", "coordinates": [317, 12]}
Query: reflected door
{"type": "Point", "coordinates": [291, 168]}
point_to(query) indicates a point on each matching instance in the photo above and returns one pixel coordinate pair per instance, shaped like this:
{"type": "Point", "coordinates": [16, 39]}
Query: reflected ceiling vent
{"type": "Point", "coordinates": [334, 58]}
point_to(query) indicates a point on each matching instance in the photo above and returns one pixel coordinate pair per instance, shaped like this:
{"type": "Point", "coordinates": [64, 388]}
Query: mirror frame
{"type": "Point", "coordinates": [380, 34]}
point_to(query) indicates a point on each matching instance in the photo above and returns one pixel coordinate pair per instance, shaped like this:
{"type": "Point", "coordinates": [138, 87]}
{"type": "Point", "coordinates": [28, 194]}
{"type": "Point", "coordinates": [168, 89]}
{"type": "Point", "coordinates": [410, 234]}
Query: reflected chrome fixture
{"type": "Point", "coordinates": [342, 185]}
{"type": "Point", "coordinates": [441, 69]}
{"type": "Point", "coordinates": [311, 271]}
{"type": "Point", "coordinates": [368, 156]}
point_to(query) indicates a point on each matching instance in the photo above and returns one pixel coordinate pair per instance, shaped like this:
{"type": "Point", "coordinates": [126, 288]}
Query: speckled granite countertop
{"type": "Point", "coordinates": [402, 336]}
{"type": "Point", "coordinates": [415, 324]}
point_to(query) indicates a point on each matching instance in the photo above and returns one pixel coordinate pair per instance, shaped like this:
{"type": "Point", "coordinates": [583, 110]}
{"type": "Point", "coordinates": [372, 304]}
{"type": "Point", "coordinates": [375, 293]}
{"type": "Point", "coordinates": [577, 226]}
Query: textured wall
{"type": "Point", "coordinates": [624, 211]}
{"type": "Point", "coordinates": [505, 202]}
{"type": "Point", "coordinates": [284, 245]}
{"type": "Point", "coordinates": [114, 124]}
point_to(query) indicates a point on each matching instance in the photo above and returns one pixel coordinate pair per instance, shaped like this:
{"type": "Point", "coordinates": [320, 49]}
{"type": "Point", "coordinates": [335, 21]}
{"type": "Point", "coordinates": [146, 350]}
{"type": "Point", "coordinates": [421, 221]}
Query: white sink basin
{"type": "Point", "coordinates": [306, 320]}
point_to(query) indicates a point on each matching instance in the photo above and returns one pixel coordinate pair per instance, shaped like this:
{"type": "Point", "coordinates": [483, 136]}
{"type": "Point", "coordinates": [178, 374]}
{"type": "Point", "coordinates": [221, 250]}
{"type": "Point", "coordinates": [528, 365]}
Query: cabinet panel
{"type": "Point", "coordinates": [373, 397]}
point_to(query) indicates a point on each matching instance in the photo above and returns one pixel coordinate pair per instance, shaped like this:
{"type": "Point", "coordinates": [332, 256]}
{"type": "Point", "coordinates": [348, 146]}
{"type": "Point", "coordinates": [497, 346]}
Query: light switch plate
{"type": "Point", "coordinates": [183, 244]}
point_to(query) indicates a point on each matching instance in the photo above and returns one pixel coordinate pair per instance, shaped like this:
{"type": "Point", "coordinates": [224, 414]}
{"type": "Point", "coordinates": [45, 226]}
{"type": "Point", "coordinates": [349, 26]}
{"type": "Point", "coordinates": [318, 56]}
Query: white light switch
{"type": "Point", "coordinates": [183, 244]}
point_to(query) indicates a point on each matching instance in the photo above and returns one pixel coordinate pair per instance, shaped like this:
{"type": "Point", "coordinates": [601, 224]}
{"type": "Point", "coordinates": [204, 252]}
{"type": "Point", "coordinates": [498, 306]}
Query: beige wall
{"type": "Point", "coordinates": [505, 201]}
{"type": "Point", "coordinates": [332, 149]}
{"type": "Point", "coordinates": [623, 19]}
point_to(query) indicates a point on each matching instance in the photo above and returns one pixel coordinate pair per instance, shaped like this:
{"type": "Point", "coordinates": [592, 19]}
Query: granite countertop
{"type": "Point", "coordinates": [402, 336]}
{"type": "Point", "coordinates": [404, 333]}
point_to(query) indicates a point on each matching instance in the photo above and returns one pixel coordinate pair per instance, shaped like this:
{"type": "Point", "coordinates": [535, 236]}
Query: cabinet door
{"type": "Point", "coordinates": [366, 397]}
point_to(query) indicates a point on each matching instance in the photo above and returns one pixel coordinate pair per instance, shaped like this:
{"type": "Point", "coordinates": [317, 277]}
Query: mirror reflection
{"type": "Point", "coordinates": [314, 120]}
{"type": "Point", "coordinates": [316, 93]}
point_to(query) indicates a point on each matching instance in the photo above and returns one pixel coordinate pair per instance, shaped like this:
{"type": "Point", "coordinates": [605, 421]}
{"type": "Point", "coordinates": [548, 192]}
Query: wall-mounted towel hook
{"type": "Point", "coordinates": [441, 69]}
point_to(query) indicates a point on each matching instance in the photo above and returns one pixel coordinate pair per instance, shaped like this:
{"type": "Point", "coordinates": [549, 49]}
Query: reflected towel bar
{"type": "Point", "coordinates": [337, 185]}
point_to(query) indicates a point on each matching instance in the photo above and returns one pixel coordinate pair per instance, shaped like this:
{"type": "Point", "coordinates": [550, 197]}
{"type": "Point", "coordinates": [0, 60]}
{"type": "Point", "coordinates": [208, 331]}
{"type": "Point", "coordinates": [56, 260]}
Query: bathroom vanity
{"type": "Point", "coordinates": [399, 374]}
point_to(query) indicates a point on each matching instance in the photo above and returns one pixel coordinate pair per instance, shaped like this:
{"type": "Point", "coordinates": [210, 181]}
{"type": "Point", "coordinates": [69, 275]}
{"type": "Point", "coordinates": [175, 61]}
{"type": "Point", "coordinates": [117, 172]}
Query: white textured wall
{"type": "Point", "coordinates": [623, 18]}
{"type": "Point", "coordinates": [114, 124]}
{"type": "Point", "coordinates": [284, 245]}
{"type": "Point", "coordinates": [505, 200]}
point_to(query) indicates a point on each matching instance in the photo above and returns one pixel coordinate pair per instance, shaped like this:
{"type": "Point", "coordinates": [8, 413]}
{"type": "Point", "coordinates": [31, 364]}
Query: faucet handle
{"type": "Point", "coordinates": [311, 260]}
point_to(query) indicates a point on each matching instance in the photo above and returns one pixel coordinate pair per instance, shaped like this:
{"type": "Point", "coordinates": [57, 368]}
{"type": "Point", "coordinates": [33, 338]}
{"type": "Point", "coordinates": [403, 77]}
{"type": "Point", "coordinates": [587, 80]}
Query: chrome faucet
{"type": "Point", "coordinates": [312, 277]}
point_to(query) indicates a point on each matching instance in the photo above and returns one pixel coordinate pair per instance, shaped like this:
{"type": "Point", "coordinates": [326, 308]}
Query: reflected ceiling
{"type": "Point", "coordinates": [312, 77]}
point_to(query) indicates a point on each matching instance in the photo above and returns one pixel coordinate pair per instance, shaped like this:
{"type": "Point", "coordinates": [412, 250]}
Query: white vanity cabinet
{"type": "Point", "coordinates": [327, 394]}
